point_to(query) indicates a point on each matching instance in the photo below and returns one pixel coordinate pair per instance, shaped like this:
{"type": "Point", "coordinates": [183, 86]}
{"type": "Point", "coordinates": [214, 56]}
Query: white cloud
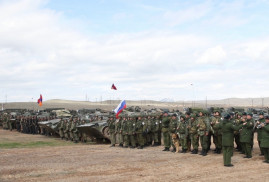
{"type": "Point", "coordinates": [41, 54]}
{"type": "Point", "coordinates": [214, 55]}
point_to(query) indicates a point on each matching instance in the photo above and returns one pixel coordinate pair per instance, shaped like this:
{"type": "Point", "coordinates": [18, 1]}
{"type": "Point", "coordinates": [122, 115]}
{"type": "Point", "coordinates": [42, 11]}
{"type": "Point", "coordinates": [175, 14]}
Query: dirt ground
{"type": "Point", "coordinates": [88, 162]}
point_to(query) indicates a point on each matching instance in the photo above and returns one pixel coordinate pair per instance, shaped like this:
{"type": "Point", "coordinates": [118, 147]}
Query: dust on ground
{"type": "Point", "coordinates": [88, 162]}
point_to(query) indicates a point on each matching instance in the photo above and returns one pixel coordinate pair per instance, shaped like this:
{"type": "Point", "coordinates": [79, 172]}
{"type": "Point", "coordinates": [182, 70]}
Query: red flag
{"type": "Point", "coordinates": [113, 87]}
{"type": "Point", "coordinates": [39, 101]}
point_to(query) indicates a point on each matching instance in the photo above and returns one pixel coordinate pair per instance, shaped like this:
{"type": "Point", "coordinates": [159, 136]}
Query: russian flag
{"type": "Point", "coordinates": [120, 108]}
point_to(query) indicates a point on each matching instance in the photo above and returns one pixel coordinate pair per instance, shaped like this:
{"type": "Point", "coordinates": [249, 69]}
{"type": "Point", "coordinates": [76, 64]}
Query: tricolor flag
{"type": "Point", "coordinates": [39, 101]}
{"type": "Point", "coordinates": [113, 87]}
{"type": "Point", "coordinates": [120, 108]}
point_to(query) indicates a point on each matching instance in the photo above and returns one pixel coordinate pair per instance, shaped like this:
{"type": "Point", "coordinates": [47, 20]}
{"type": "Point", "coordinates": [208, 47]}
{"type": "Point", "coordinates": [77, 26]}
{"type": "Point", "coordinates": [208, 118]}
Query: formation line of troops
{"type": "Point", "coordinates": [192, 130]}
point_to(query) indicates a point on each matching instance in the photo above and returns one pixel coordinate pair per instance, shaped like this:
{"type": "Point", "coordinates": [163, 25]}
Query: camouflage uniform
{"type": "Point", "coordinates": [203, 130]}
{"type": "Point", "coordinates": [111, 127]}
{"type": "Point", "coordinates": [237, 122]}
{"type": "Point", "coordinates": [131, 128]}
{"type": "Point", "coordinates": [125, 130]}
{"type": "Point", "coordinates": [165, 132]}
{"type": "Point", "coordinates": [61, 129]}
{"type": "Point", "coordinates": [194, 133]}
{"type": "Point", "coordinates": [172, 129]}
{"type": "Point", "coordinates": [66, 129]}
{"type": "Point", "coordinates": [139, 132]}
{"type": "Point", "coordinates": [119, 133]}
{"type": "Point", "coordinates": [182, 131]}
{"type": "Point", "coordinates": [217, 137]}
{"type": "Point", "coordinates": [155, 130]}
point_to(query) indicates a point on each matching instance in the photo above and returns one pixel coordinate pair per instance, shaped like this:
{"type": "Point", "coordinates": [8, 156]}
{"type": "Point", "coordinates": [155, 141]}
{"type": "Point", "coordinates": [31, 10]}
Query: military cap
{"type": "Point", "coordinates": [244, 114]}
{"type": "Point", "coordinates": [250, 114]}
{"type": "Point", "coordinates": [261, 113]}
{"type": "Point", "coordinates": [175, 115]}
{"type": "Point", "coordinates": [187, 113]}
{"type": "Point", "coordinates": [266, 117]}
{"type": "Point", "coordinates": [193, 115]}
{"type": "Point", "coordinates": [226, 115]}
{"type": "Point", "coordinates": [239, 114]}
{"type": "Point", "coordinates": [165, 112]}
{"type": "Point", "coordinates": [182, 116]}
{"type": "Point", "coordinates": [217, 111]}
{"type": "Point", "coordinates": [231, 113]}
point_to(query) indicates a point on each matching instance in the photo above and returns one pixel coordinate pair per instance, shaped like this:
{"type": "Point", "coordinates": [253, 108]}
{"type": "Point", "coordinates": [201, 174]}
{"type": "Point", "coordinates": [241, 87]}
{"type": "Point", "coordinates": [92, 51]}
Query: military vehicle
{"type": "Point", "coordinates": [51, 126]}
{"type": "Point", "coordinates": [98, 130]}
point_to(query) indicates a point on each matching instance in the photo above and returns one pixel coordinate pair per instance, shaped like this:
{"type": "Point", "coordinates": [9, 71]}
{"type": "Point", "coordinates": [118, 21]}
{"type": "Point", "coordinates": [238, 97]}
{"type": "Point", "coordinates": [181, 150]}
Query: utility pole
{"type": "Point", "coordinates": [205, 101]}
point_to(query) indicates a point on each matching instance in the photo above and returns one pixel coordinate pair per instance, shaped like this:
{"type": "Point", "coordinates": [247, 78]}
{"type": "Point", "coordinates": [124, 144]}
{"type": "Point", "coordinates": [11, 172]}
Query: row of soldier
{"type": "Point", "coordinates": [144, 130]}
{"type": "Point", "coordinates": [67, 128]}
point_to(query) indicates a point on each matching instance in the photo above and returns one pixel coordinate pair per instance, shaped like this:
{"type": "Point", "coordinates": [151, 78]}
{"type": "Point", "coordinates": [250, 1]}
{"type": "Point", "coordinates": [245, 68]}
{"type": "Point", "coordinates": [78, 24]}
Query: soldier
{"type": "Point", "coordinates": [18, 126]}
{"type": "Point", "coordinates": [111, 127]}
{"type": "Point", "coordinates": [83, 134]}
{"type": "Point", "coordinates": [203, 130]}
{"type": "Point", "coordinates": [119, 132]}
{"type": "Point", "coordinates": [246, 135]}
{"type": "Point", "coordinates": [265, 139]}
{"type": "Point", "coordinates": [155, 130]}
{"type": "Point", "coordinates": [61, 129]}
{"type": "Point", "coordinates": [131, 131]}
{"type": "Point", "coordinates": [188, 118]}
{"type": "Point", "coordinates": [194, 133]}
{"type": "Point", "coordinates": [165, 132]}
{"type": "Point", "coordinates": [9, 124]}
{"type": "Point", "coordinates": [149, 129]}
{"type": "Point", "coordinates": [217, 136]}
{"type": "Point", "coordinates": [182, 130]}
{"type": "Point", "coordinates": [227, 128]}
{"type": "Point", "coordinates": [71, 129]}
{"type": "Point", "coordinates": [66, 129]}
{"type": "Point", "coordinates": [259, 131]}
{"type": "Point", "coordinates": [145, 130]}
{"type": "Point", "coordinates": [237, 122]}
{"type": "Point", "coordinates": [139, 132]}
{"type": "Point", "coordinates": [159, 119]}
{"type": "Point", "coordinates": [125, 130]}
{"type": "Point", "coordinates": [75, 131]}
{"type": "Point", "coordinates": [172, 129]}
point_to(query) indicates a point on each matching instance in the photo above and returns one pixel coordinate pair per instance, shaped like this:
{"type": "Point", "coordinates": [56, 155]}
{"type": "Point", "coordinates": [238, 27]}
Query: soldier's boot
{"type": "Point", "coordinates": [184, 151]}
{"type": "Point", "coordinates": [166, 149]}
{"type": "Point", "coordinates": [113, 145]}
{"type": "Point", "coordinates": [205, 153]}
{"type": "Point", "coordinates": [174, 150]}
{"type": "Point", "coordinates": [140, 147]}
{"type": "Point", "coordinates": [62, 138]}
{"type": "Point", "coordinates": [120, 145]}
{"type": "Point", "coordinates": [195, 151]}
{"type": "Point", "coordinates": [202, 152]}
{"type": "Point", "coordinates": [219, 151]}
{"type": "Point", "coordinates": [75, 141]}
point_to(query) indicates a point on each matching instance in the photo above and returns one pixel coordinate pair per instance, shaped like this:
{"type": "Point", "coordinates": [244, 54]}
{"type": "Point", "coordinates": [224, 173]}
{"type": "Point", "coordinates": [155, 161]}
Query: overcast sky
{"type": "Point", "coordinates": [150, 49]}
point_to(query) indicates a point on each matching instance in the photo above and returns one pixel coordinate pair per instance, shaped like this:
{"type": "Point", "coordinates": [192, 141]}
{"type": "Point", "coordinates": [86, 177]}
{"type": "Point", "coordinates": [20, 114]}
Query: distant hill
{"type": "Point", "coordinates": [164, 103]}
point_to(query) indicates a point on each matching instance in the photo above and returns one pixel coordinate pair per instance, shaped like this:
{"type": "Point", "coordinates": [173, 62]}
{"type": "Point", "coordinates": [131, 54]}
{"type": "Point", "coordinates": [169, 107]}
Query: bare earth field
{"type": "Point", "coordinates": [66, 161]}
